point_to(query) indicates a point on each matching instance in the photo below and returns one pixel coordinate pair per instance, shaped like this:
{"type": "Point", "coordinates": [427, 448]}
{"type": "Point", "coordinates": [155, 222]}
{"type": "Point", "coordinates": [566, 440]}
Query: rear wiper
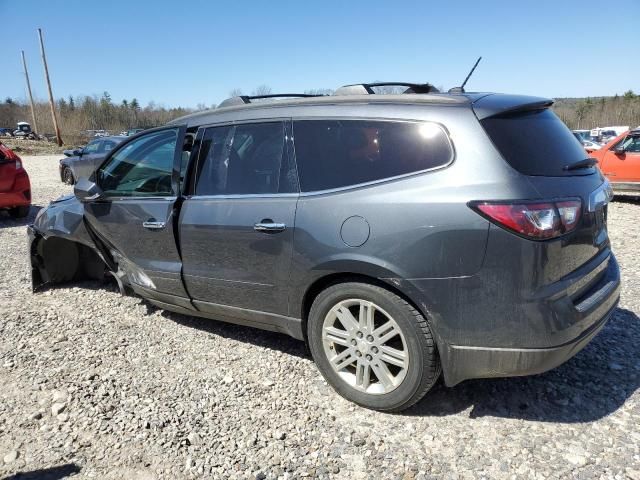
{"type": "Point", "coordinates": [586, 163]}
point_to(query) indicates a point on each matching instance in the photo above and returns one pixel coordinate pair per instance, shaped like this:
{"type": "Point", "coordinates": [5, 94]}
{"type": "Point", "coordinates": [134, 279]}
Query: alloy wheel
{"type": "Point", "coordinates": [365, 346]}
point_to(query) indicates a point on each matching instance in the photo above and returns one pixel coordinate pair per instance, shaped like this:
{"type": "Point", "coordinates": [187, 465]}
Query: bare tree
{"type": "Point", "coordinates": [319, 91]}
{"type": "Point", "coordinates": [261, 90]}
{"type": "Point", "coordinates": [236, 92]}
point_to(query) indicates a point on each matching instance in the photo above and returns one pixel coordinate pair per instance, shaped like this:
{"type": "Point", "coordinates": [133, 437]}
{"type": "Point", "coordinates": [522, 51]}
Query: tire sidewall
{"type": "Point", "coordinates": [416, 346]}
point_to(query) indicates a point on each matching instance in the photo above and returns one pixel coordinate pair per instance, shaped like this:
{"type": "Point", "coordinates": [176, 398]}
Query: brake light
{"type": "Point", "coordinates": [538, 221]}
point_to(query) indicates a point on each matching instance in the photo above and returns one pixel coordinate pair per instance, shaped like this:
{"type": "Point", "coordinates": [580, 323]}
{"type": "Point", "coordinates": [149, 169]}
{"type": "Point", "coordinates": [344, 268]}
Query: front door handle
{"type": "Point", "coordinates": [153, 225]}
{"type": "Point", "coordinates": [269, 226]}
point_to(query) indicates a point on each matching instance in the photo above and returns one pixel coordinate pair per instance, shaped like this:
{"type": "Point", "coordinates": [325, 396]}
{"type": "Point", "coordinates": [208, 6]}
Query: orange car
{"type": "Point", "coordinates": [619, 161]}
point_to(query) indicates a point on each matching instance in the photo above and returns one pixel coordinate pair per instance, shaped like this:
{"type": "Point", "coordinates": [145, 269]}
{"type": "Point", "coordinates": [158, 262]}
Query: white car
{"type": "Point", "coordinates": [590, 146]}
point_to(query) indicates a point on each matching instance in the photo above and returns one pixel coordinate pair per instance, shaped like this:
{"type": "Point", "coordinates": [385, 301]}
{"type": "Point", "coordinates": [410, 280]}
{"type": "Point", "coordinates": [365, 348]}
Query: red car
{"type": "Point", "coordinates": [15, 188]}
{"type": "Point", "coordinates": [619, 160]}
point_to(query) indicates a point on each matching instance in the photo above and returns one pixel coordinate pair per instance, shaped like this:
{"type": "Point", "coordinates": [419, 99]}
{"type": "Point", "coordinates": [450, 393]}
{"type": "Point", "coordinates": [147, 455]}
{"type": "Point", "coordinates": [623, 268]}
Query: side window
{"type": "Point", "coordinates": [245, 159]}
{"type": "Point", "coordinates": [632, 144]}
{"type": "Point", "coordinates": [142, 168]}
{"type": "Point", "coordinates": [92, 147]}
{"type": "Point", "coordinates": [339, 153]}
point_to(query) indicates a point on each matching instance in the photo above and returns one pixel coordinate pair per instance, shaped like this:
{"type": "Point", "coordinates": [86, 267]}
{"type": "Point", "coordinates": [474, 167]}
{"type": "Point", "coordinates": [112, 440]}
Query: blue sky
{"type": "Point", "coordinates": [190, 52]}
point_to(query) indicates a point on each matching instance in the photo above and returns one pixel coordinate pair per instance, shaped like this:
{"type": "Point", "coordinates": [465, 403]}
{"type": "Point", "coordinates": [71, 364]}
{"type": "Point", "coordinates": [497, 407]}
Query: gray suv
{"type": "Point", "coordinates": [400, 235]}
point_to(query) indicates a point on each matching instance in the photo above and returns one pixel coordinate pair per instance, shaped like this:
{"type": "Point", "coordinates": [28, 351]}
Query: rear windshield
{"type": "Point", "coordinates": [536, 142]}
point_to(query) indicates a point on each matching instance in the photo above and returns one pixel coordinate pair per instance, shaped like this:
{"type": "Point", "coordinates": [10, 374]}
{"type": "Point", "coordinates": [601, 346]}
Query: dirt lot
{"type": "Point", "coordinates": [34, 147]}
{"type": "Point", "coordinates": [111, 387]}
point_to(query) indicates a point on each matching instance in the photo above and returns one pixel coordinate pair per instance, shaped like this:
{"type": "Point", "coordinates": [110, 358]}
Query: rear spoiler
{"type": "Point", "coordinates": [499, 104]}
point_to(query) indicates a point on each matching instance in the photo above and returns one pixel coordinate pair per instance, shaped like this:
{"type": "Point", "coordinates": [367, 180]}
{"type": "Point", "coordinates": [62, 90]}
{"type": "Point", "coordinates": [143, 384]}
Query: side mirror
{"type": "Point", "coordinates": [87, 191]}
{"type": "Point", "coordinates": [619, 150]}
{"type": "Point", "coordinates": [78, 151]}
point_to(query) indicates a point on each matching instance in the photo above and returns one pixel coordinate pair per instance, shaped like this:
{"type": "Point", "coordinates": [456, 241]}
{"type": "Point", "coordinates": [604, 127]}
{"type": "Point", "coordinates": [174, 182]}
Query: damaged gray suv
{"type": "Point", "coordinates": [400, 235]}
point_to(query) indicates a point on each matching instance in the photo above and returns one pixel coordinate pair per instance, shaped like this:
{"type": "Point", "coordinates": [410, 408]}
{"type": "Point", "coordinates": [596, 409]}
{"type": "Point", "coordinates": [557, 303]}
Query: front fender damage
{"type": "Point", "coordinates": [60, 247]}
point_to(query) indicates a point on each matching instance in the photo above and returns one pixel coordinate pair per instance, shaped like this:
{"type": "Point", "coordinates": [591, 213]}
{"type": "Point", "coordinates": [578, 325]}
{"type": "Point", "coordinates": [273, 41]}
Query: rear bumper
{"type": "Point", "coordinates": [477, 362]}
{"type": "Point", "coordinates": [588, 310]}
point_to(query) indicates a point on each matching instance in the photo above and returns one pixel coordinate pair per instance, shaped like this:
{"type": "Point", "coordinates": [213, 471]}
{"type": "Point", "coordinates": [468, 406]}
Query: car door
{"type": "Point", "coordinates": [236, 224]}
{"type": "Point", "coordinates": [85, 165]}
{"type": "Point", "coordinates": [134, 218]}
{"type": "Point", "coordinates": [621, 162]}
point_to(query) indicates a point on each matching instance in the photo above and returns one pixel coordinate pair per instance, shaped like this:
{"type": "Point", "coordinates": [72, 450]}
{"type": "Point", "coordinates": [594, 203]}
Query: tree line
{"type": "Point", "coordinates": [76, 115]}
{"type": "Point", "coordinates": [79, 114]}
{"type": "Point", "coordinates": [587, 113]}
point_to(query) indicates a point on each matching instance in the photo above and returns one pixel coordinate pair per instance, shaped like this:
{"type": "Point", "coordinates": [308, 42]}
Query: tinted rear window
{"type": "Point", "coordinates": [536, 142]}
{"type": "Point", "coordinates": [339, 153]}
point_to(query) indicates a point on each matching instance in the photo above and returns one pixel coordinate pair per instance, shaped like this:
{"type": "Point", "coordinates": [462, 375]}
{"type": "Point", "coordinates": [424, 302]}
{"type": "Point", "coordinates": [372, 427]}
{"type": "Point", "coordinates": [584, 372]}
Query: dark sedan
{"type": "Point", "coordinates": [84, 161]}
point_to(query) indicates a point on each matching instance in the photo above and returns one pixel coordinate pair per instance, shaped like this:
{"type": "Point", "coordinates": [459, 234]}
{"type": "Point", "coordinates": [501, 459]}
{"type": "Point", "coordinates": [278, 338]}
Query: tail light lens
{"type": "Point", "coordinates": [538, 221]}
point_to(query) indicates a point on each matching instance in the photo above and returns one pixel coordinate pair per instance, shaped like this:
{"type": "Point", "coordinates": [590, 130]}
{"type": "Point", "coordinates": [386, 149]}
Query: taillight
{"type": "Point", "coordinates": [535, 220]}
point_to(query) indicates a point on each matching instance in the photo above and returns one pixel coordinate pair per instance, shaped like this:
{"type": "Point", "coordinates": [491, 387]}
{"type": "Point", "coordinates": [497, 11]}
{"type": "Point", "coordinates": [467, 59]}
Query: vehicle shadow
{"type": "Point", "coordinates": [241, 333]}
{"type": "Point", "coordinates": [590, 386]}
{"type": "Point", "coordinates": [633, 199]}
{"type": "Point", "coordinates": [53, 473]}
{"type": "Point", "coordinates": [593, 384]}
{"type": "Point", "coordinates": [6, 221]}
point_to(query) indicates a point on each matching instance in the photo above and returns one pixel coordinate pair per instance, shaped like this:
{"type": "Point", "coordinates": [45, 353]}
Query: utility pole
{"type": "Point", "coordinates": [51, 103]}
{"type": "Point", "coordinates": [33, 110]}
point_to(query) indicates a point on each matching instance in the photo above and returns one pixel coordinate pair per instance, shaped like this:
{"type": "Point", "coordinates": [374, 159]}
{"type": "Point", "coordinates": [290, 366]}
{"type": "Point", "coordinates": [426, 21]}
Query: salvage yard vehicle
{"type": "Point", "coordinates": [400, 235]}
{"type": "Point", "coordinates": [81, 162]}
{"type": "Point", "coordinates": [15, 187]}
{"type": "Point", "coordinates": [619, 161]}
{"type": "Point", "coordinates": [588, 145]}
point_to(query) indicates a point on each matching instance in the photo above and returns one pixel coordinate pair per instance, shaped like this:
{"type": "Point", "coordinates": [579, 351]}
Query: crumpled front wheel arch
{"type": "Point", "coordinates": [58, 260]}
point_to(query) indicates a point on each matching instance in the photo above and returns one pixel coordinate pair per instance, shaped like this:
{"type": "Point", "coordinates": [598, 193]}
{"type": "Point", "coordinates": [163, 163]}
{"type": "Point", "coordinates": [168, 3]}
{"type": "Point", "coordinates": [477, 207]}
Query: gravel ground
{"type": "Point", "coordinates": [106, 386]}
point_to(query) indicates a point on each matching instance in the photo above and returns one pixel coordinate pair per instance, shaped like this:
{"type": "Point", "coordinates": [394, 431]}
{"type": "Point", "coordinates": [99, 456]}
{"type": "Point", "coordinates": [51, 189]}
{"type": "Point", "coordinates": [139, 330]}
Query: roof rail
{"type": "Point", "coordinates": [245, 99]}
{"type": "Point", "coordinates": [367, 88]}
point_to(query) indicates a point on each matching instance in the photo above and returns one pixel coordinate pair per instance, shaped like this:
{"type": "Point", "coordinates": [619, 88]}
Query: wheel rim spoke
{"type": "Point", "coordinates": [344, 359]}
{"type": "Point", "coordinates": [363, 375]}
{"type": "Point", "coordinates": [386, 331]}
{"type": "Point", "coordinates": [365, 316]}
{"type": "Point", "coordinates": [338, 336]}
{"type": "Point", "coordinates": [346, 318]}
{"type": "Point", "coordinates": [383, 374]}
{"type": "Point", "coordinates": [393, 356]}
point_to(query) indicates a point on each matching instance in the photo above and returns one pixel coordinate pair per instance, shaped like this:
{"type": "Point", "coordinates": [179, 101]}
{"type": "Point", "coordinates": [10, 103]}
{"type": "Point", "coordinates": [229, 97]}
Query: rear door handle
{"type": "Point", "coordinates": [269, 226]}
{"type": "Point", "coordinates": [153, 225]}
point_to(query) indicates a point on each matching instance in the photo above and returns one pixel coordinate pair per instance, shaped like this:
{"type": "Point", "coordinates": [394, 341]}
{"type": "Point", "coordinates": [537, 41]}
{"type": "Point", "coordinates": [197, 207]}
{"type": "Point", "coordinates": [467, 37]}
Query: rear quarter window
{"type": "Point", "coordinates": [340, 153]}
{"type": "Point", "coordinates": [536, 142]}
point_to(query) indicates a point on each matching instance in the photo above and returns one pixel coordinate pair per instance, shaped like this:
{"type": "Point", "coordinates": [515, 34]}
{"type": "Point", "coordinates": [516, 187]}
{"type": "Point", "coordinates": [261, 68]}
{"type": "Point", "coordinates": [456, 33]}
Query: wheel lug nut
{"type": "Point", "coordinates": [368, 357]}
{"type": "Point", "coordinates": [369, 338]}
{"type": "Point", "coordinates": [358, 353]}
{"type": "Point", "coordinates": [359, 334]}
{"type": "Point", "coordinates": [354, 342]}
{"type": "Point", "coordinates": [374, 349]}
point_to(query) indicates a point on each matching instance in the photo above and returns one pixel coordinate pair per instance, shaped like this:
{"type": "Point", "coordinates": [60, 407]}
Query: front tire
{"type": "Point", "coordinates": [67, 176]}
{"type": "Point", "coordinates": [19, 212]}
{"type": "Point", "coordinates": [372, 346]}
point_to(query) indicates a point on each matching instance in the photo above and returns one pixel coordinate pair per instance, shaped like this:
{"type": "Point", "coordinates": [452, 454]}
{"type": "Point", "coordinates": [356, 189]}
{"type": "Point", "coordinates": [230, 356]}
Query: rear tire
{"type": "Point", "coordinates": [372, 346]}
{"type": "Point", "coordinates": [67, 176]}
{"type": "Point", "coordinates": [19, 212]}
